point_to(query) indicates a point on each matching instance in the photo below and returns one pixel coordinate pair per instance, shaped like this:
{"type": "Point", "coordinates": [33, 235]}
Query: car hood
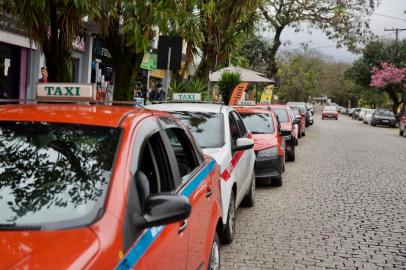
{"type": "Point", "coordinates": [264, 141]}
{"type": "Point", "coordinates": [62, 249]}
{"type": "Point", "coordinates": [221, 155]}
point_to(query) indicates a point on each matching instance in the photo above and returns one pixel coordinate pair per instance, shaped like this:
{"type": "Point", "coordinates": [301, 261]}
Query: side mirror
{"type": "Point", "coordinates": [243, 144]}
{"type": "Point", "coordinates": [163, 209]}
{"type": "Point", "coordinates": [285, 132]}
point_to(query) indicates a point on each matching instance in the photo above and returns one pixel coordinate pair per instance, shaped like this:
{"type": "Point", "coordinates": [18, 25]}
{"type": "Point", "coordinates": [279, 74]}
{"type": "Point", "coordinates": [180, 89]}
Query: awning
{"type": "Point", "coordinates": [246, 75]}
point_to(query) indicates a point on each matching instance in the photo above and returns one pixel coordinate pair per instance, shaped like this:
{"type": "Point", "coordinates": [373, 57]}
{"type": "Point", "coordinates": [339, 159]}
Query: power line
{"type": "Point", "coordinates": [391, 17]}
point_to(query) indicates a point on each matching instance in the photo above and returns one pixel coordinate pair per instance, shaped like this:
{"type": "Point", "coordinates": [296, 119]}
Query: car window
{"type": "Point", "coordinates": [54, 175]}
{"type": "Point", "coordinates": [282, 114]}
{"type": "Point", "coordinates": [240, 124]}
{"type": "Point", "coordinates": [259, 123]}
{"type": "Point", "coordinates": [206, 127]}
{"type": "Point", "coordinates": [183, 150]}
{"type": "Point", "coordinates": [233, 130]}
{"type": "Point", "coordinates": [384, 113]}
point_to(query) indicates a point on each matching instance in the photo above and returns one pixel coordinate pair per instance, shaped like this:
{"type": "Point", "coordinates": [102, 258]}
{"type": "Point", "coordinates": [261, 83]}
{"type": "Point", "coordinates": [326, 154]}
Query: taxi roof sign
{"type": "Point", "coordinates": [187, 96]}
{"type": "Point", "coordinates": [66, 91]}
{"type": "Point", "coordinates": [246, 103]}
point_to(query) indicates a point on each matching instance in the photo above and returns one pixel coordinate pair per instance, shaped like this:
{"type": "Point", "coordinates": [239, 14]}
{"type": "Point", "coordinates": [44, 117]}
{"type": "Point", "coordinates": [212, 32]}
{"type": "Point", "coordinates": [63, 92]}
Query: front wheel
{"type": "Point", "coordinates": [214, 261]}
{"type": "Point", "coordinates": [228, 235]}
{"type": "Point", "coordinates": [249, 199]}
{"type": "Point", "coordinates": [400, 132]}
{"type": "Point", "coordinates": [291, 155]}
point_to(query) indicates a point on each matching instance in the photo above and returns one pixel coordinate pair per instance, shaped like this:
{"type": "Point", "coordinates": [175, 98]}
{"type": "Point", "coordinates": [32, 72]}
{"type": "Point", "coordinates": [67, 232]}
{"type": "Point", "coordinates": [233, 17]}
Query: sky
{"type": "Point", "coordinates": [379, 20]}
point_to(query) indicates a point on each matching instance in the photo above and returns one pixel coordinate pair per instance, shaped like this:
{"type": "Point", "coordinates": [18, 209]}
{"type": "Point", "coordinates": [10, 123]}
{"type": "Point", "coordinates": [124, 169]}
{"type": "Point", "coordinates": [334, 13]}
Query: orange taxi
{"type": "Point", "coordinates": [269, 144]}
{"type": "Point", "coordinates": [104, 187]}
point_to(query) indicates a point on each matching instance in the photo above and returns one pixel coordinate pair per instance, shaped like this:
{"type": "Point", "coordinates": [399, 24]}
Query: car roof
{"type": "Point", "coordinates": [248, 109]}
{"type": "Point", "coordinates": [191, 107]}
{"type": "Point", "coordinates": [97, 115]}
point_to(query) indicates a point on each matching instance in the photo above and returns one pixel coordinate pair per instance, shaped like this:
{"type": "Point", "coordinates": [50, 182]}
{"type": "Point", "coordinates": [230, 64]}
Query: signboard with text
{"type": "Point", "coordinates": [246, 103]}
{"type": "Point", "coordinates": [187, 96]}
{"type": "Point", "coordinates": [65, 91]}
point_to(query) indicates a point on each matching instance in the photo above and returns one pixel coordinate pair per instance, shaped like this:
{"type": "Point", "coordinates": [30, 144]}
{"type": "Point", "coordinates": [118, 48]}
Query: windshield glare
{"type": "Point", "coordinates": [259, 123]}
{"type": "Point", "coordinates": [384, 113]}
{"type": "Point", "coordinates": [282, 114]}
{"type": "Point", "coordinates": [330, 109]}
{"type": "Point", "coordinates": [54, 173]}
{"type": "Point", "coordinates": [206, 127]}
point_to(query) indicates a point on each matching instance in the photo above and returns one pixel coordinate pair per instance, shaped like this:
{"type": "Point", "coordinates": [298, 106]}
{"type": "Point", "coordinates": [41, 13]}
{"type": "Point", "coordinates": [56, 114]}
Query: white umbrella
{"type": "Point", "coordinates": [246, 75]}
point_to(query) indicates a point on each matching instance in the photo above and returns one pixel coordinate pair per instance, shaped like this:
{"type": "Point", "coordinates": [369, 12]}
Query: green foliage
{"type": "Point", "coordinates": [360, 73]}
{"type": "Point", "coordinates": [52, 25]}
{"type": "Point", "coordinates": [227, 83]}
{"type": "Point", "coordinates": [190, 86]}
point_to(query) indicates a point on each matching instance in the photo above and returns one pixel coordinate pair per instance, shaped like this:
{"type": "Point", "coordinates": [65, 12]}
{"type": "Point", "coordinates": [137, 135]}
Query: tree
{"type": "Point", "coordinates": [376, 52]}
{"type": "Point", "coordinates": [53, 25]}
{"type": "Point", "coordinates": [224, 24]}
{"type": "Point", "coordinates": [227, 83]}
{"type": "Point", "coordinates": [127, 29]}
{"type": "Point", "coordinates": [339, 20]}
{"type": "Point", "coordinates": [392, 80]}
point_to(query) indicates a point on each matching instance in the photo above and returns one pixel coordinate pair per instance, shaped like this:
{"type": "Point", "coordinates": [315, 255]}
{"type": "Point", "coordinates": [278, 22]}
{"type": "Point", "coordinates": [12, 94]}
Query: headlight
{"type": "Point", "coordinates": [269, 152]}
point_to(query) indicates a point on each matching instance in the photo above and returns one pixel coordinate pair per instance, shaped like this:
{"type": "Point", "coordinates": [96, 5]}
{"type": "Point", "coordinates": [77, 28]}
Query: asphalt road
{"type": "Point", "coordinates": [342, 205]}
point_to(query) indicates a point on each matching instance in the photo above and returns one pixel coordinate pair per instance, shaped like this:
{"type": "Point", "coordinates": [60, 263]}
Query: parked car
{"type": "Point", "coordinates": [383, 117]}
{"type": "Point", "coordinates": [104, 187]}
{"type": "Point", "coordinates": [300, 114]}
{"type": "Point", "coordinates": [402, 124]}
{"type": "Point", "coordinates": [269, 148]}
{"type": "Point", "coordinates": [351, 111]}
{"type": "Point", "coordinates": [368, 116]}
{"type": "Point", "coordinates": [305, 109]}
{"type": "Point", "coordinates": [221, 133]}
{"type": "Point", "coordinates": [361, 114]}
{"type": "Point", "coordinates": [287, 123]}
{"type": "Point", "coordinates": [329, 112]}
{"type": "Point", "coordinates": [296, 122]}
{"type": "Point", "coordinates": [355, 114]}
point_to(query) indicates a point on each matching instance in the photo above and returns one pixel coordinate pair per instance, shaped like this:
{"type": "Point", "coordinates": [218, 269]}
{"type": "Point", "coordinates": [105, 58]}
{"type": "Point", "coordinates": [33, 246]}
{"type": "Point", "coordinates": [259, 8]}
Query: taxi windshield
{"type": "Point", "coordinates": [206, 127]}
{"type": "Point", "coordinates": [283, 115]}
{"type": "Point", "coordinates": [54, 175]}
{"type": "Point", "coordinates": [260, 123]}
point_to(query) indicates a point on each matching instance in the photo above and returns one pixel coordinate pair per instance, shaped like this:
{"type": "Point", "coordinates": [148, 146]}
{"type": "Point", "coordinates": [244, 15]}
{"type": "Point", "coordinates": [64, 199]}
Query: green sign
{"type": "Point", "coordinates": [149, 62]}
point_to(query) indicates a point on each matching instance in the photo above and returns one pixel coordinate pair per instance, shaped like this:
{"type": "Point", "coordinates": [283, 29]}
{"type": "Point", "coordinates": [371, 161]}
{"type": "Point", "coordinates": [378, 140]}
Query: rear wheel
{"type": "Point", "coordinates": [228, 235]}
{"type": "Point", "coordinates": [249, 199]}
{"type": "Point", "coordinates": [214, 261]}
{"type": "Point", "coordinates": [400, 132]}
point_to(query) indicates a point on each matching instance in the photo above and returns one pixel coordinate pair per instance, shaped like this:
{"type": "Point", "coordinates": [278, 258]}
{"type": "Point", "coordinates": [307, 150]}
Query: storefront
{"type": "Point", "coordinates": [14, 49]}
{"type": "Point", "coordinates": [102, 70]}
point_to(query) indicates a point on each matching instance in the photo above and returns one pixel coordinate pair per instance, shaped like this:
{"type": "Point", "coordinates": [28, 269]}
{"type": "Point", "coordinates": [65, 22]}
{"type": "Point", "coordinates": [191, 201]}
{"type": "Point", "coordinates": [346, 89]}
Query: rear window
{"type": "Point", "coordinates": [330, 109]}
{"type": "Point", "coordinates": [206, 127]}
{"type": "Point", "coordinates": [54, 175]}
{"type": "Point", "coordinates": [282, 114]}
{"type": "Point", "coordinates": [258, 123]}
{"type": "Point", "coordinates": [384, 113]}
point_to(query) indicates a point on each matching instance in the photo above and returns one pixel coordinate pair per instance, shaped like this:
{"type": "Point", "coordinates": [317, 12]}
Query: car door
{"type": "Point", "coordinates": [237, 157]}
{"type": "Point", "coordinates": [163, 247]}
{"type": "Point", "coordinates": [197, 184]}
{"type": "Point", "coordinates": [248, 159]}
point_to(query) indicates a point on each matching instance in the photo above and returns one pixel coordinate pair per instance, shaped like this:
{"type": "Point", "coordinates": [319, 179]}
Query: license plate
{"type": "Point", "coordinates": [385, 121]}
{"type": "Point", "coordinates": [330, 115]}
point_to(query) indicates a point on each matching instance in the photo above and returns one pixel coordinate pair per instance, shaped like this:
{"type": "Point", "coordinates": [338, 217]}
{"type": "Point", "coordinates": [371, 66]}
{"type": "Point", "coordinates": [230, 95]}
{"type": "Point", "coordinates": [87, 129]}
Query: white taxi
{"type": "Point", "coordinates": [221, 133]}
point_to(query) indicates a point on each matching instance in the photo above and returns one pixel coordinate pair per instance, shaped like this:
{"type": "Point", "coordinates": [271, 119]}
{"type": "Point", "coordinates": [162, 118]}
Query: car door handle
{"type": "Point", "coordinates": [209, 192]}
{"type": "Point", "coordinates": [183, 226]}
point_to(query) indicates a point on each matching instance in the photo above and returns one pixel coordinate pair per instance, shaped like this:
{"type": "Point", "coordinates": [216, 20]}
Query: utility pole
{"type": "Point", "coordinates": [396, 30]}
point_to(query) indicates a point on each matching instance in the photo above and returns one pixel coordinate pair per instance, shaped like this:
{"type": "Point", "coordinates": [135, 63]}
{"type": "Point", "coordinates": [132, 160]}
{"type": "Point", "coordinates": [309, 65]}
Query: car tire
{"type": "Point", "coordinates": [214, 260]}
{"type": "Point", "coordinates": [401, 132]}
{"type": "Point", "coordinates": [249, 199]}
{"type": "Point", "coordinates": [277, 181]}
{"type": "Point", "coordinates": [322, 118]}
{"type": "Point", "coordinates": [304, 134]}
{"type": "Point", "coordinates": [336, 118]}
{"type": "Point", "coordinates": [297, 142]}
{"type": "Point", "coordinates": [291, 155]}
{"type": "Point", "coordinates": [229, 228]}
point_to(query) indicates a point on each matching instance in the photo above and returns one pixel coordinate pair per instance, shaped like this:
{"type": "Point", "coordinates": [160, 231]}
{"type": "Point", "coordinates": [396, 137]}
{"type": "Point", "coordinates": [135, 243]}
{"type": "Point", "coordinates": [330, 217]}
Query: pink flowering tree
{"type": "Point", "coordinates": [392, 80]}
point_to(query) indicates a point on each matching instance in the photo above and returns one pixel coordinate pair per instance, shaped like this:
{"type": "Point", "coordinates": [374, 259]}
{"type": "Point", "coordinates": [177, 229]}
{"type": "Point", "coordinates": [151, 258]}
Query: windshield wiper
{"type": "Point", "coordinates": [14, 226]}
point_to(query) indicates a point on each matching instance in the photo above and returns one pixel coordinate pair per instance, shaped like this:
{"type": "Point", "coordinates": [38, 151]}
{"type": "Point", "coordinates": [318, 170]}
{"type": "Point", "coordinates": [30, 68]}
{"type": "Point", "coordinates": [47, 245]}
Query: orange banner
{"type": "Point", "coordinates": [238, 93]}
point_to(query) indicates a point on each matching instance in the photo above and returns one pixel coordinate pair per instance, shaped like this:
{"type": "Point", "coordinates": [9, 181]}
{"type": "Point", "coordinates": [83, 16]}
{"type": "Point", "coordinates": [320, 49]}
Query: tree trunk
{"type": "Point", "coordinates": [57, 51]}
{"type": "Point", "coordinates": [395, 99]}
{"type": "Point", "coordinates": [207, 64]}
{"type": "Point", "coordinates": [273, 67]}
{"type": "Point", "coordinates": [188, 60]}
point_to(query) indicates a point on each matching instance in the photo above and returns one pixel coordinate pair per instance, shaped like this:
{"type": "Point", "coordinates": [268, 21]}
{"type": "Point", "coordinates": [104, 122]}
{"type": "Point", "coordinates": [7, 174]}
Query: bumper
{"type": "Point", "coordinates": [330, 116]}
{"type": "Point", "coordinates": [266, 168]}
{"type": "Point", "coordinates": [382, 122]}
